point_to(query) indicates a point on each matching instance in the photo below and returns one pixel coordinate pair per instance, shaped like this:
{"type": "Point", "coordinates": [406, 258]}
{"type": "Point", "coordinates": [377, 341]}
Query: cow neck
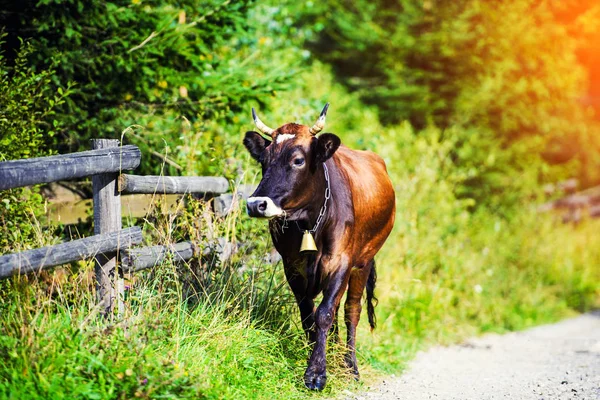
{"type": "Point", "coordinates": [323, 210]}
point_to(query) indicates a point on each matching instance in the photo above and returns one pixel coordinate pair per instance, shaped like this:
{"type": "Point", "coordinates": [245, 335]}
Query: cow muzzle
{"type": "Point", "coordinates": [263, 207]}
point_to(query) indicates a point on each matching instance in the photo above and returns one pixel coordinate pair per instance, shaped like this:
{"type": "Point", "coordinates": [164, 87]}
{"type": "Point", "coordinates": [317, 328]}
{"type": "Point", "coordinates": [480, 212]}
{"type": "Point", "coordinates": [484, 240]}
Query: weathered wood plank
{"type": "Point", "coordinates": [64, 253]}
{"type": "Point", "coordinates": [107, 218]}
{"type": "Point", "coordinates": [172, 184]}
{"type": "Point", "coordinates": [226, 203]}
{"type": "Point", "coordinates": [595, 211]}
{"type": "Point", "coordinates": [32, 171]}
{"type": "Point", "coordinates": [572, 201]}
{"type": "Point", "coordinates": [569, 186]}
{"type": "Point", "coordinates": [133, 260]}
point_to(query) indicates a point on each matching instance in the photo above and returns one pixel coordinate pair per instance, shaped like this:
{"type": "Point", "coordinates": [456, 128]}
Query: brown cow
{"type": "Point", "coordinates": [342, 197]}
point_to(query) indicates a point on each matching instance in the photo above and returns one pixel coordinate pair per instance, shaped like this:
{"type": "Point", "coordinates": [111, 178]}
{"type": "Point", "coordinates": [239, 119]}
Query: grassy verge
{"type": "Point", "coordinates": [447, 273]}
{"type": "Point", "coordinates": [230, 330]}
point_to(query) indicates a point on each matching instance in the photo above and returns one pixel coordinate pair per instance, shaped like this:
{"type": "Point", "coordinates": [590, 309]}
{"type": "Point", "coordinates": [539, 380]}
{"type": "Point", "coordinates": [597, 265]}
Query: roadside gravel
{"type": "Point", "coordinates": [558, 361]}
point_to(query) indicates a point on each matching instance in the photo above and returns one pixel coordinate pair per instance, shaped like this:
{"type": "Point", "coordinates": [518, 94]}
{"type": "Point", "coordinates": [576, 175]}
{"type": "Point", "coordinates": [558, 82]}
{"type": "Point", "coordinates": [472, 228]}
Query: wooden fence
{"type": "Point", "coordinates": [105, 164]}
{"type": "Point", "coordinates": [574, 204]}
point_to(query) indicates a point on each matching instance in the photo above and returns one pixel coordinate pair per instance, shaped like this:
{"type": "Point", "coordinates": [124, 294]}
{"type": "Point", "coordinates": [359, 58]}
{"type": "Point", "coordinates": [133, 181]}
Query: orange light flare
{"type": "Point", "coordinates": [582, 17]}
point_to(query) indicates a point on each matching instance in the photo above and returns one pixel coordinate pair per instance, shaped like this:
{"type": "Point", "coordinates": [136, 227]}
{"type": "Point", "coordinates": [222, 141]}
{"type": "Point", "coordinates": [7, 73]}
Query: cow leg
{"type": "Point", "coordinates": [334, 332]}
{"type": "Point", "coordinates": [315, 376]}
{"type": "Point", "coordinates": [305, 304]}
{"type": "Point", "coordinates": [352, 309]}
{"type": "Point", "coordinates": [307, 307]}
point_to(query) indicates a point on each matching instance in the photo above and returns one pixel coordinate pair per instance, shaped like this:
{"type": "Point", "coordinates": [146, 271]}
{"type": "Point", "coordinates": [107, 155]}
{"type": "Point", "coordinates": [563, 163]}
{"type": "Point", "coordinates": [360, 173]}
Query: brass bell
{"type": "Point", "coordinates": [308, 243]}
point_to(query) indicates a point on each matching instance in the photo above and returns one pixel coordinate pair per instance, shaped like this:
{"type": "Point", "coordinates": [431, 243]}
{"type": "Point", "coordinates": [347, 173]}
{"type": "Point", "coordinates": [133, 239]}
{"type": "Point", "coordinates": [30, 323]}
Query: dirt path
{"type": "Point", "coordinates": [558, 361]}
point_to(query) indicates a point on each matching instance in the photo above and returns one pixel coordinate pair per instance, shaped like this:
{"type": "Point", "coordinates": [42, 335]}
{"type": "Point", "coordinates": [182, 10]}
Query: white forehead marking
{"type": "Point", "coordinates": [283, 137]}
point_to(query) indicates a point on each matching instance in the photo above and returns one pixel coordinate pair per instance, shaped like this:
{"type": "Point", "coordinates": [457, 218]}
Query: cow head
{"type": "Point", "coordinates": [291, 159]}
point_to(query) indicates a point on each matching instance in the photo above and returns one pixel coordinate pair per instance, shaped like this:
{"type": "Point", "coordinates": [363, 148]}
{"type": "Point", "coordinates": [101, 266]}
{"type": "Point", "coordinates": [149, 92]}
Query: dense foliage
{"type": "Point", "coordinates": [470, 103]}
{"type": "Point", "coordinates": [509, 68]}
{"type": "Point", "coordinates": [27, 123]}
{"type": "Point", "coordinates": [141, 62]}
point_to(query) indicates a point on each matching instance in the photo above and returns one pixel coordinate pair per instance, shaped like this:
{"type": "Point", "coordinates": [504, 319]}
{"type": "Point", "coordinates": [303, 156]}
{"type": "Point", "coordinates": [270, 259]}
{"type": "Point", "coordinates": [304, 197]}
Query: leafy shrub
{"type": "Point", "coordinates": [27, 123]}
{"type": "Point", "coordinates": [230, 329]}
{"type": "Point", "coordinates": [505, 67]}
{"type": "Point", "coordinates": [145, 63]}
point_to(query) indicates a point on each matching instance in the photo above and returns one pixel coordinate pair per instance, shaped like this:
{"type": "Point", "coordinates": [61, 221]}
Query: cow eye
{"type": "Point", "coordinates": [298, 161]}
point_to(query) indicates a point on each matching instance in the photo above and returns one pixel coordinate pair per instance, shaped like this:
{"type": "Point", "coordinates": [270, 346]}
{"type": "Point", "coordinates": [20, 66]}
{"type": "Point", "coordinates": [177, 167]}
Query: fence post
{"type": "Point", "coordinates": [107, 218]}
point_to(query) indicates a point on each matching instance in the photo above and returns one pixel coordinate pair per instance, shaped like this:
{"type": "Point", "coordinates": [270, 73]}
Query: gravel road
{"type": "Point", "coordinates": [558, 361]}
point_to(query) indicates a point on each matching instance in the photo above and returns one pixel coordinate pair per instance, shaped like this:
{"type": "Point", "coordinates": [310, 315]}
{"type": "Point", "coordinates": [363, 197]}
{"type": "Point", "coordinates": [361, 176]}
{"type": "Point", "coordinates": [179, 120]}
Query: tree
{"type": "Point", "coordinates": [27, 120]}
{"type": "Point", "coordinates": [509, 67]}
{"type": "Point", "coordinates": [140, 62]}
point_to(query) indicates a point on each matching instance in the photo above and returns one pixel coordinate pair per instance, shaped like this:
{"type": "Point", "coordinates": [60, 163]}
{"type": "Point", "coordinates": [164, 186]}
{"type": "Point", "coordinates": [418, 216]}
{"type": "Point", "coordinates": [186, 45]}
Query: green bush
{"type": "Point", "coordinates": [506, 67]}
{"type": "Point", "coordinates": [468, 253]}
{"type": "Point", "coordinates": [451, 272]}
{"type": "Point", "coordinates": [27, 124]}
{"type": "Point", "coordinates": [145, 63]}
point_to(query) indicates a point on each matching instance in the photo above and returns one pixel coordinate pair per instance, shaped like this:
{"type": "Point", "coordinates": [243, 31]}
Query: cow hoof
{"type": "Point", "coordinates": [350, 362]}
{"type": "Point", "coordinates": [315, 381]}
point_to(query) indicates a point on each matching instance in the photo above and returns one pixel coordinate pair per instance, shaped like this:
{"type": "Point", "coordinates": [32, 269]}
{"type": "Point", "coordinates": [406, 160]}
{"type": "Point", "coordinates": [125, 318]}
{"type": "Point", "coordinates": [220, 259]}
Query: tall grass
{"type": "Point", "coordinates": [210, 328]}
{"type": "Point", "coordinates": [227, 327]}
{"type": "Point", "coordinates": [449, 273]}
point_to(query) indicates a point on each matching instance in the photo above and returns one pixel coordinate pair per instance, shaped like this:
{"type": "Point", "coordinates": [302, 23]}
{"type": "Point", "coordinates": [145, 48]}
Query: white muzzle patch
{"type": "Point", "coordinates": [271, 210]}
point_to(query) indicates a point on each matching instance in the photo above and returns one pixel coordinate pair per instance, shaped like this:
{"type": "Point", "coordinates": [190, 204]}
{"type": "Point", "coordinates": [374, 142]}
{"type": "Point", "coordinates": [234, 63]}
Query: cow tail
{"type": "Point", "coordinates": [371, 296]}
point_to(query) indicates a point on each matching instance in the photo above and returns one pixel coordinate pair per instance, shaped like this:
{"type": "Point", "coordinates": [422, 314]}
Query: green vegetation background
{"type": "Point", "coordinates": [473, 104]}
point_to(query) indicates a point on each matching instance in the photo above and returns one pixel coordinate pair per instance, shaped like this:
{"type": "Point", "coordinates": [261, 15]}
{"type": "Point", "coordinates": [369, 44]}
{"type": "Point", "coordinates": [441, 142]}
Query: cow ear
{"type": "Point", "coordinates": [327, 144]}
{"type": "Point", "coordinates": [255, 144]}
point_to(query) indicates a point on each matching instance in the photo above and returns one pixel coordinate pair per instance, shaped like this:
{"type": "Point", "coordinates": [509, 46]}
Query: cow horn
{"type": "Point", "coordinates": [320, 124]}
{"type": "Point", "coordinates": [260, 125]}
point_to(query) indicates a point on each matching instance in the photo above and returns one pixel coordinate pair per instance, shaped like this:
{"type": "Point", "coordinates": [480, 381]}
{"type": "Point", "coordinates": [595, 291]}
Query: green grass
{"type": "Point", "coordinates": [495, 284]}
{"type": "Point", "coordinates": [238, 335]}
{"type": "Point", "coordinates": [452, 268]}
{"type": "Point", "coordinates": [215, 346]}
{"type": "Point", "coordinates": [175, 352]}
{"type": "Point", "coordinates": [231, 330]}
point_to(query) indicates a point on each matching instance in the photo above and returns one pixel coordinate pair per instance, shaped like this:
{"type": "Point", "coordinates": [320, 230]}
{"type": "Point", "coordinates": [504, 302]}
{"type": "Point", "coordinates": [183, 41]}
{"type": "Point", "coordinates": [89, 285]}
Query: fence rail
{"type": "Point", "coordinates": [104, 164]}
{"type": "Point", "coordinates": [147, 257]}
{"type": "Point", "coordinates": [172, 184]}
{"type": "Point", "coordinates": [574, 203]}
{"type": "Point", "coordinates": [64, 253]}
{"type": "Point", "coordinates": [33, 171]}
